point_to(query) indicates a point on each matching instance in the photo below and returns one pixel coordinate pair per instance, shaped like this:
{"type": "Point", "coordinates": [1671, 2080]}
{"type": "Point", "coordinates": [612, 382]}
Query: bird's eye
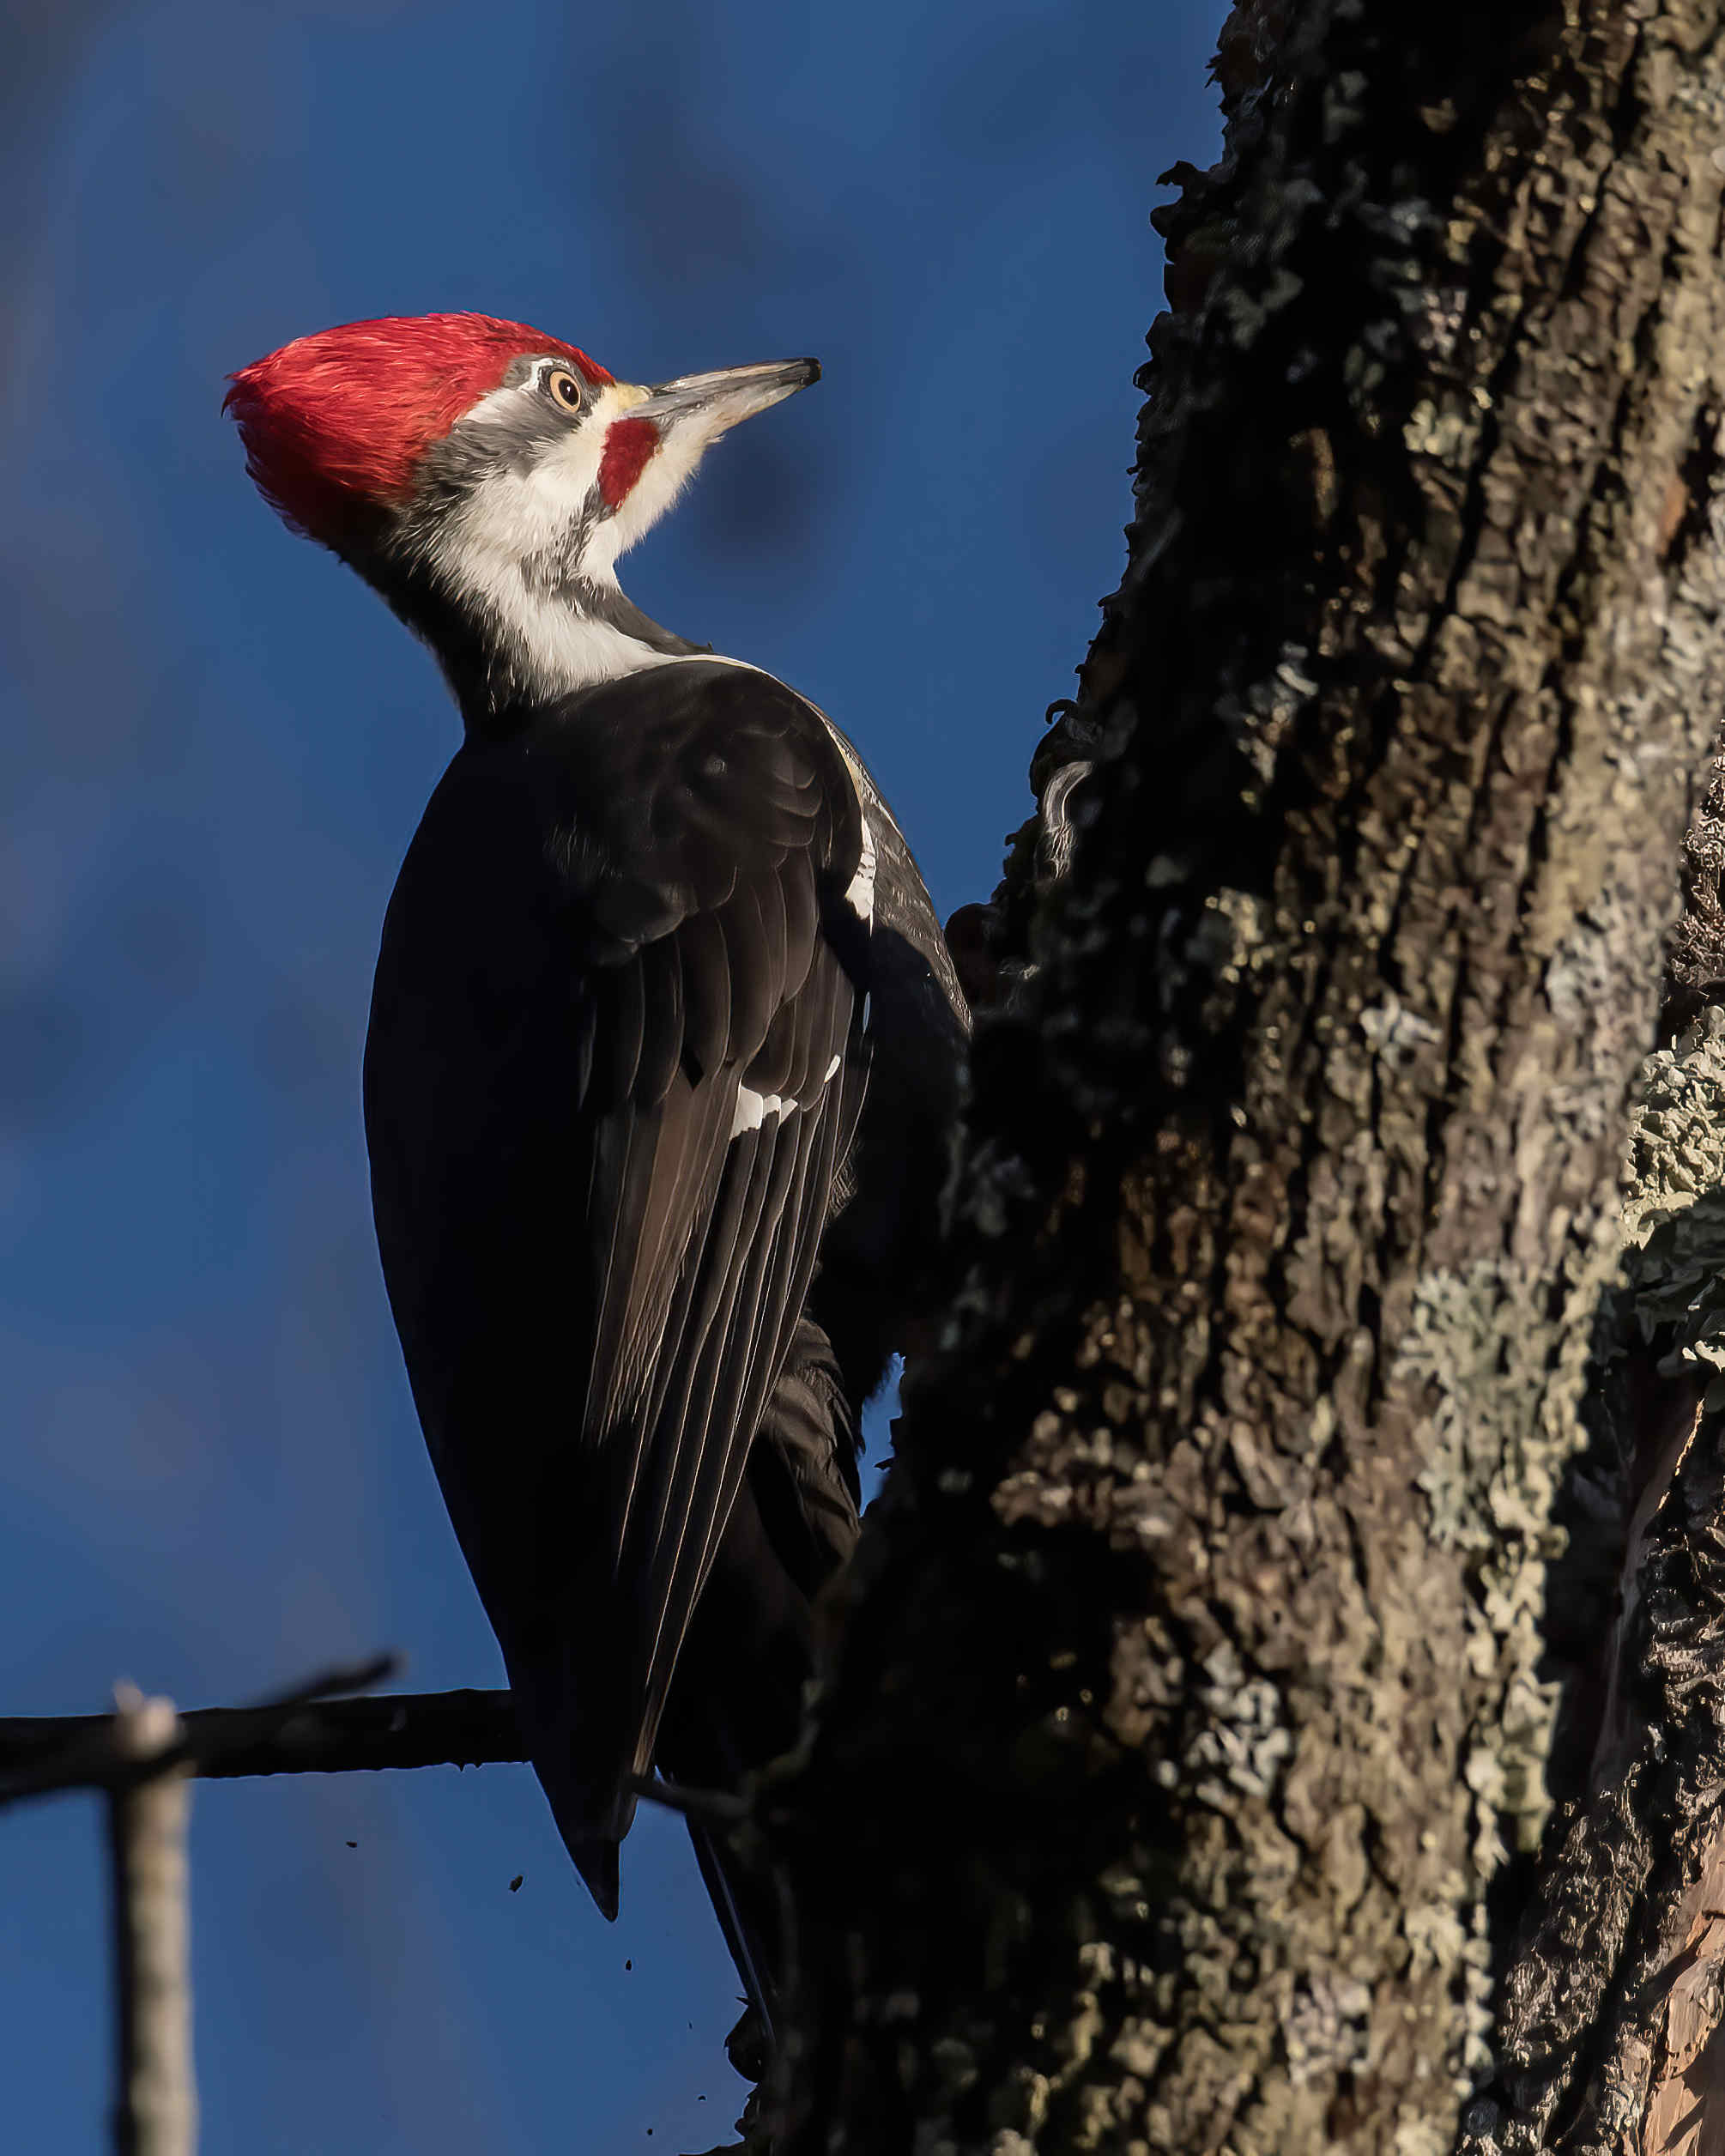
{"type": "Point", "coordinates": [563, 385]}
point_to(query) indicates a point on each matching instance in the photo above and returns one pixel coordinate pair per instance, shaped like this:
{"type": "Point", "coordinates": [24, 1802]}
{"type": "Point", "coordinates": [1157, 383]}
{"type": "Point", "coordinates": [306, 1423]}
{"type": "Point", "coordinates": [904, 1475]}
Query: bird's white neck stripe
{"type": "Point", "coordinates": [560, 649]}
{"type": "Point", "coordinates": [517, 565]}
{"type": "Point", "coordinates": [549, 641]}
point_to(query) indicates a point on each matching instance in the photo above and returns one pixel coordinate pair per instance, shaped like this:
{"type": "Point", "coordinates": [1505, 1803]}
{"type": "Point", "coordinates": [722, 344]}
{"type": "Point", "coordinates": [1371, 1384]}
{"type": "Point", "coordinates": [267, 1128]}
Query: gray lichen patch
{"type": "Point", "coordinates": [1674, 1202]}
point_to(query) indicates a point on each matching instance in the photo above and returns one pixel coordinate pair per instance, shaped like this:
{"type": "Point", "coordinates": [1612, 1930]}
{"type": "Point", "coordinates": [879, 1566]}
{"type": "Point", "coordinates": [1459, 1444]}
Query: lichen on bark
{"type": "Point", "coordinates": [1188, 1694]}
{"type": "Point", "coordinates": [1675, 1205]}
{"type": "Point", "coordinates": [1610, 2019]}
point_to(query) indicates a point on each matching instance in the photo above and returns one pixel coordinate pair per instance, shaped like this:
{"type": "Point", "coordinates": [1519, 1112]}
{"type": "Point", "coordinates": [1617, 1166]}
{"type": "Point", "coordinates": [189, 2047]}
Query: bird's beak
{"type": "Point", "coordinates": [714, 403]}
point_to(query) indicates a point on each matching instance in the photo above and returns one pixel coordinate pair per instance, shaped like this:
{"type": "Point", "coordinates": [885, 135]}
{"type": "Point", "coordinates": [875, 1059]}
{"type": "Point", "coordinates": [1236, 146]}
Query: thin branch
{"type": "Point", "coordinates": [333, 1682]}
{"type": "Point", "coordinates": [40, 1754]}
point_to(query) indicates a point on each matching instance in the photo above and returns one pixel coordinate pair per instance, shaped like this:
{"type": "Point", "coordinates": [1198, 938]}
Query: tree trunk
{"type": "Point", "coordinates": [1190, 1697]}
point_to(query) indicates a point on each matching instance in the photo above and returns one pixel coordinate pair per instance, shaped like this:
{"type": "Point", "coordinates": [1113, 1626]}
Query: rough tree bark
{"type": "Point", "coordinates": [1610, 2012]}
{"type": "Point", "coordinates": [1178, 1782]}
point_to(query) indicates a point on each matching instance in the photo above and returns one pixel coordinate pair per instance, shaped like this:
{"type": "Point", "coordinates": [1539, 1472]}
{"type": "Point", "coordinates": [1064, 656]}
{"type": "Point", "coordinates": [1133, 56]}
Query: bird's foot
{"type": "Point", "coordinates": [745, 2047]}
{"type": "Point", "coordinates": [750, 2052]}
{"type": "Point", "coordinates": [757, 2139]}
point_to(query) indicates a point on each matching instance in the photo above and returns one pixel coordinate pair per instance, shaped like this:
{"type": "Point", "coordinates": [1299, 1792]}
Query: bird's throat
{"type": "Point", "coordinates": [507, 648]}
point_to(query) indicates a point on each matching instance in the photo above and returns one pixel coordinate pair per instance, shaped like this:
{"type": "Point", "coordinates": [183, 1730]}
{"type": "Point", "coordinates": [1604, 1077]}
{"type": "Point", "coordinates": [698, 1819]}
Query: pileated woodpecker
{"type": "Point", "coordinates": [664, 1051]}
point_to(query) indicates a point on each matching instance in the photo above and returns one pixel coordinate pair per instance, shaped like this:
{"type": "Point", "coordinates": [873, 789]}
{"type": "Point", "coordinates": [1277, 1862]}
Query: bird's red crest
{"type": "Point", "coordinates": [333, 424]}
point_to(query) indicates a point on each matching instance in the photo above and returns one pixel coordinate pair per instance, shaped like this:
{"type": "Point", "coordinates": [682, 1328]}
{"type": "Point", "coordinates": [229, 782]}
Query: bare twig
{"type": "Point", "coordinates": [155, 2098]}
{"type": "Point", "coordinates": [331, 1683]}
{"type": "Point", "coordinates": [39, 1755]}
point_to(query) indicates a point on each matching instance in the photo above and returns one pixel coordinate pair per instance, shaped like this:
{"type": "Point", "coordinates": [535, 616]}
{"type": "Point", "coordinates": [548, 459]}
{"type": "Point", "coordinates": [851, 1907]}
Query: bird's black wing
{"type": "Point", "coordinates": [614, 1061]}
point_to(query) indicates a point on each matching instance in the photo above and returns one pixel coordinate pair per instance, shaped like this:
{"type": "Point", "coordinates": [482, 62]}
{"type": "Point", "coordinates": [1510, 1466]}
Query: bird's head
{"type": "Point", "coordinates": [485, 478]}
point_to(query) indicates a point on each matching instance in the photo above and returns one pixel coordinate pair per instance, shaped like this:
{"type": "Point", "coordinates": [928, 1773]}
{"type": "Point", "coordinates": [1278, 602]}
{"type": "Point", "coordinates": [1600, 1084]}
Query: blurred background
{"type": "Point", "coordinates": [214, 747]}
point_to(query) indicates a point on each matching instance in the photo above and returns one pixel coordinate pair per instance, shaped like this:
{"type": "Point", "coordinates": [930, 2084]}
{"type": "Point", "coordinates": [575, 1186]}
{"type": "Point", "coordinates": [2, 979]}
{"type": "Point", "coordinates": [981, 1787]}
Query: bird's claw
{"type": "Point", "coordinates": [745, 2047]}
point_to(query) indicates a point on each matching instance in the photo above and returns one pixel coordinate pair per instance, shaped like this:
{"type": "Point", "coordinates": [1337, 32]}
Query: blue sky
{"type": "Point", "coordinates": [214, 748]}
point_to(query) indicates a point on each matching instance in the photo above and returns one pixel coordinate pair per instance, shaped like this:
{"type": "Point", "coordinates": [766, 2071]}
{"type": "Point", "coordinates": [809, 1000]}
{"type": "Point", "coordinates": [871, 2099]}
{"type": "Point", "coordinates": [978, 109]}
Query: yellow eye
{"type": "Point", "coordinates": [565, 388]}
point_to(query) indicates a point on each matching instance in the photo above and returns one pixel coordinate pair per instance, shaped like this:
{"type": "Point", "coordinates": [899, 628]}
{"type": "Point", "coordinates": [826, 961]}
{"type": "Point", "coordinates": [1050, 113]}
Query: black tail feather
{"type": "Point", "coordinates": [597, 1862]}
{"type": "Point", "coordinates": [756, 1960]}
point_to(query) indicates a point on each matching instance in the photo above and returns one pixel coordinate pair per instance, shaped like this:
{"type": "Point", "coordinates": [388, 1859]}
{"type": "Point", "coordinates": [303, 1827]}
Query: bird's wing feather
{"type": "Point", "coordinates": [709, 1233]}
{"type": "Point", "coordinates": [601, 1182]}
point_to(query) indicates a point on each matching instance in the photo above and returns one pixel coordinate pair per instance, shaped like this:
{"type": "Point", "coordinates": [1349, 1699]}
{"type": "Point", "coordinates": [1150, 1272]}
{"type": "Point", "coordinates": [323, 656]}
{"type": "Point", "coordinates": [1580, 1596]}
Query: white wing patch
{"type": "Point", "coordinates": [753, 1108]}
{"type": "Point", "coordinates": [860, 894]}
